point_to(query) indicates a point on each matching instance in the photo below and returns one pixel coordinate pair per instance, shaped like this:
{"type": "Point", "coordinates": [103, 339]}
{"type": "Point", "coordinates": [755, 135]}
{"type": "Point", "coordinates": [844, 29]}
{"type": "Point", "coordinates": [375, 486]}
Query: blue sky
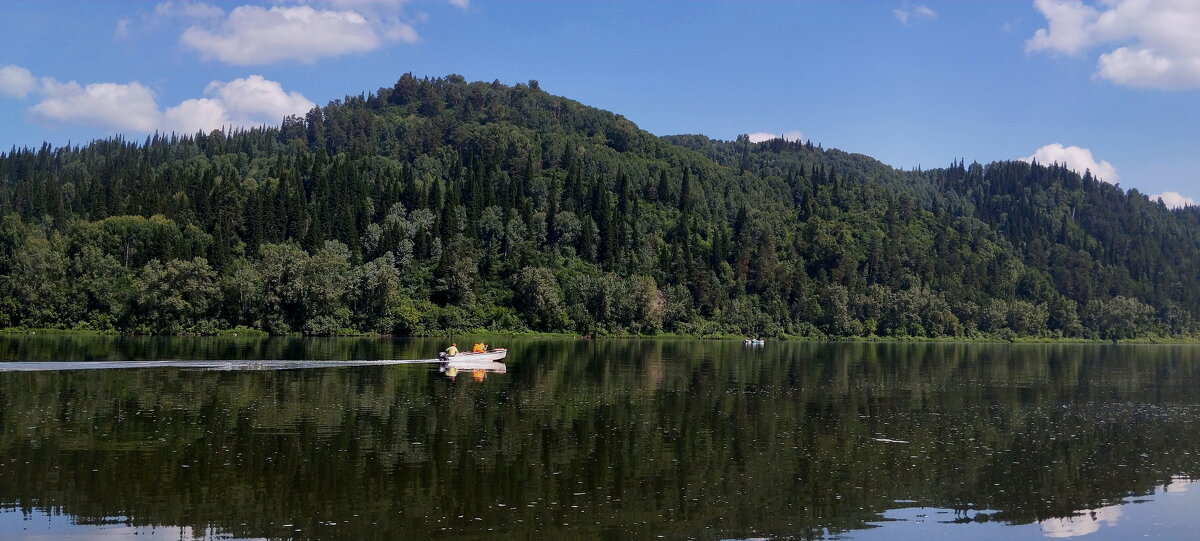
{"type": "Point", "coordinates": [1113, 87]}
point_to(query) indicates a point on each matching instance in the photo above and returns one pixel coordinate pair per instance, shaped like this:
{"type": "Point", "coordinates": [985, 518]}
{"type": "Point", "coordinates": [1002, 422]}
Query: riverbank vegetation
{"type": "Point", "coordinates": [437, 205]}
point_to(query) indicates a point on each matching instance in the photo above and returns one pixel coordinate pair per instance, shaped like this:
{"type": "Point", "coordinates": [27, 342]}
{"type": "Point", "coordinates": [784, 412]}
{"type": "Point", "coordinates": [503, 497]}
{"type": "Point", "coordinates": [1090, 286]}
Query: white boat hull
{"type": "Point", "coordinates": [465, 358]}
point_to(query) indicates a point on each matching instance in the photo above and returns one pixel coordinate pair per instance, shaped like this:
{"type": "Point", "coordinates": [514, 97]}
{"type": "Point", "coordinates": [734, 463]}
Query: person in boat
{"type": "Point", "coordinates": [450, 352]}
{"type": "Point", "coordinates": [480, 347]}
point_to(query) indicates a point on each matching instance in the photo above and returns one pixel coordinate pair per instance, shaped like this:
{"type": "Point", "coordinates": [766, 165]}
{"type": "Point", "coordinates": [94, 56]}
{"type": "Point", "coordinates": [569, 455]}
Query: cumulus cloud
{"type": "Point", "coordinates": [1155, 43]}
{"type": "Point", "coordinates": [1068, 29]}
{"type": "Point", "coordinates": [1075, 158]}
{"type": "Point", "coordinates": [240, 102]}
{"type": "Point", "coordinates": [791, 135]}
{"type": "Point", "coordinates": [197, 114]}
{"type": "Point", "coordinates": [258, 97]}
{"type": "Point", "coordinates": [910, 15]}
{"type": "Point", "coordinates": [120, 107]}
{"type": "Point", "coordinates": [16, 81]}
{"type": "Point", "coordinates": [1173, 200]}
{"type": "Point", "coordinates": [131, 107]}
{"type": "Point", "coordinates": [251, 35]}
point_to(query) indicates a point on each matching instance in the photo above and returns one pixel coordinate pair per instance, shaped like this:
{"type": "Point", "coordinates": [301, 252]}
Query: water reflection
{"type": "Point", "coordinates": [1083, 523]}
{"type": "Point", "coordinates": [478, 371]}
{"type": "Point", "coordinates": [39, 525]}
{"type": "Point", "coordinates": [603, 438]}
{"type": "Point", "coordinates": [1090, 521]}
{"type": "Point", "coordinates": [1163, 513]}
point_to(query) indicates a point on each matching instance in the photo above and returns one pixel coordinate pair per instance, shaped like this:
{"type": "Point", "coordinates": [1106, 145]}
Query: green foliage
{"type": "Point", "coordinates": [1117, 318]}
{"type": "Point", "coordinates": [437, 205]}
{"type": "Point", "coordinates": [539, 299]}
{"type": "Point", "coordinates": [175, 296]}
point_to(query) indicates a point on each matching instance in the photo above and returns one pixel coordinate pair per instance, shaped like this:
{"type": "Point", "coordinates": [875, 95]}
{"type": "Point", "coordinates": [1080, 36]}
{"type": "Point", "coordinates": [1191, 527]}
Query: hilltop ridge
{"type": "Point", "coordinates": [437, 205]}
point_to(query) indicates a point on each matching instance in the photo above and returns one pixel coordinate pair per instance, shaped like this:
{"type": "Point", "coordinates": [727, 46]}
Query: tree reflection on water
{"type": "Point", "coordinates": [602, 438]}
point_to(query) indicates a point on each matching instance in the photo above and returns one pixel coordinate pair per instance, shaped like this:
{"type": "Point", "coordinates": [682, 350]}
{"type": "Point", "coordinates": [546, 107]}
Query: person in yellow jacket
{"type": "Point", "coordinates": [452, 350]}
{"type": "Point", "coordinates": [480, 347]}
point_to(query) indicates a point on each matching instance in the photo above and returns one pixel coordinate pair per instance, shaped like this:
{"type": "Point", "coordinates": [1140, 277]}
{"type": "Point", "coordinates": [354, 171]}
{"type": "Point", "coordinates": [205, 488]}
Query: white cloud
{"type": "Point", "coordinates": [193, 10]}
{"type": "Point", "coordinates": [1068, 30]}
{"type": "Point", "coordinates": [1075, 158]}
{"type": "Point", "coordinates": [16, 81]}
{"type": "Point", "coordinates": [1173, 200]}
{"type": "Point", "coordinates": [122, 30]}
{"type": "Point", "coordinates": [910, 15]}
{"type": "Point", "coordinates": [387, 17]}
{"type": "Point", "coordinates": [171, 14]}
{"type": "Point", "coordinates": [252, 101]}
{"type": "Point", "coordinates": [791, 135]}
{"type": "Point", "coordinates": [255, 35]}
{"type": "Point", "coordinates": [131, 107]}
{"type": "Point", "coordinates": [257, 97]}
{"type": "Point", "coordinates": [118, 107]}
{"type": "Point", "coordinates": [197, 114]}
{"type": "Point", "coordinates": [1157, 45]}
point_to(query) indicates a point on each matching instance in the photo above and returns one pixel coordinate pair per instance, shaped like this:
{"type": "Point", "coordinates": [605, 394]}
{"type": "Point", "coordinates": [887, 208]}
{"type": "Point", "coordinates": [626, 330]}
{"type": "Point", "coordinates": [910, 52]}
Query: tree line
{"type": "Point", "coordinates": [440, 205]}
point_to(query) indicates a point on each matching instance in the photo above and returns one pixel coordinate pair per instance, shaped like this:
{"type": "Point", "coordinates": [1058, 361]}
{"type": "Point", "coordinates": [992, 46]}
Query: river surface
{"type": "Point", "coordinates": [608, 439]}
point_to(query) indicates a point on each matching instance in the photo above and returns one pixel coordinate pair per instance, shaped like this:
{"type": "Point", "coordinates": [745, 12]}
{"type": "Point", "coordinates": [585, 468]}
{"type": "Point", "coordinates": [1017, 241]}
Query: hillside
{"type": "Point", "coordinates": [439, 205]}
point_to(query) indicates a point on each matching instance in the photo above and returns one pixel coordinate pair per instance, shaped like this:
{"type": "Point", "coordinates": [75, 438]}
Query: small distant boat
{"type": "Point", "coordinates": [479, 365]}
{"type": "Point", "coordinates": [485, 359]}
{"type": "Point", "coordinates": [753, 342]}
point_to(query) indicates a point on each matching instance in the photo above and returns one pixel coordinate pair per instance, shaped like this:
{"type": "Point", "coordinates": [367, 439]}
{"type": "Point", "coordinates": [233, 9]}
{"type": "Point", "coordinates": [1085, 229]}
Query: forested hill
{"type": "Point", "coordinates": [1091, 239]}
{"type": "Point", "coordinates": [441, 205]}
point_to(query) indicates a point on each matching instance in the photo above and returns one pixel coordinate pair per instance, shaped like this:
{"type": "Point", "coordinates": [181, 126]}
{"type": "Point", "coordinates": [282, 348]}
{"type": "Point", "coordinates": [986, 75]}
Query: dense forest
{"type": "Point", "coordinates": [441, 205]}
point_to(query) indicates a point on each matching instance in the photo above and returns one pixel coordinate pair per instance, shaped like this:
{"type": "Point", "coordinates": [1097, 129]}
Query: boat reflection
{"type": "Point", "coordinates": [478, 370]}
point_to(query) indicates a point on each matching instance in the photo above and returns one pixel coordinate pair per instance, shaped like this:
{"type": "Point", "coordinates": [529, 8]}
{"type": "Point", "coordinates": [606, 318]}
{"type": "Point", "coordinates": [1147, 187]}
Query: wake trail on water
{"type": "Point", "coordinates": [229, 364]}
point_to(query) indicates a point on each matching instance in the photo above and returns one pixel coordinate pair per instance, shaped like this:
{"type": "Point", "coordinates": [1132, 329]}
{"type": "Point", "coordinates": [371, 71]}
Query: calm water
{"type": "Point", "coordinates": [616, 439]}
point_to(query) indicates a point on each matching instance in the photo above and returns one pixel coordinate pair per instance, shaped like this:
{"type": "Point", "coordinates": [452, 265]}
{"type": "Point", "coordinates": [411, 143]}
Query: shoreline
{"type": "Point", "coordinates": [242, 333]}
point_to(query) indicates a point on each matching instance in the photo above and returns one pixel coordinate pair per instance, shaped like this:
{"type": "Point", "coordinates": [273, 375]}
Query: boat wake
{"type": "Point", "coordinates": [230, 364]}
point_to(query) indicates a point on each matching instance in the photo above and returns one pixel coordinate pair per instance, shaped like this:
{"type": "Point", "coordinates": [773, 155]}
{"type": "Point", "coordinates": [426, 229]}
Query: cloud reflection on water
{"type": "Point", "coordinates": [1082, 524]}
{"type": "Point", "coordinates": [37, 525]}
{"type": "Point", "coordinates": [1091, 520]}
